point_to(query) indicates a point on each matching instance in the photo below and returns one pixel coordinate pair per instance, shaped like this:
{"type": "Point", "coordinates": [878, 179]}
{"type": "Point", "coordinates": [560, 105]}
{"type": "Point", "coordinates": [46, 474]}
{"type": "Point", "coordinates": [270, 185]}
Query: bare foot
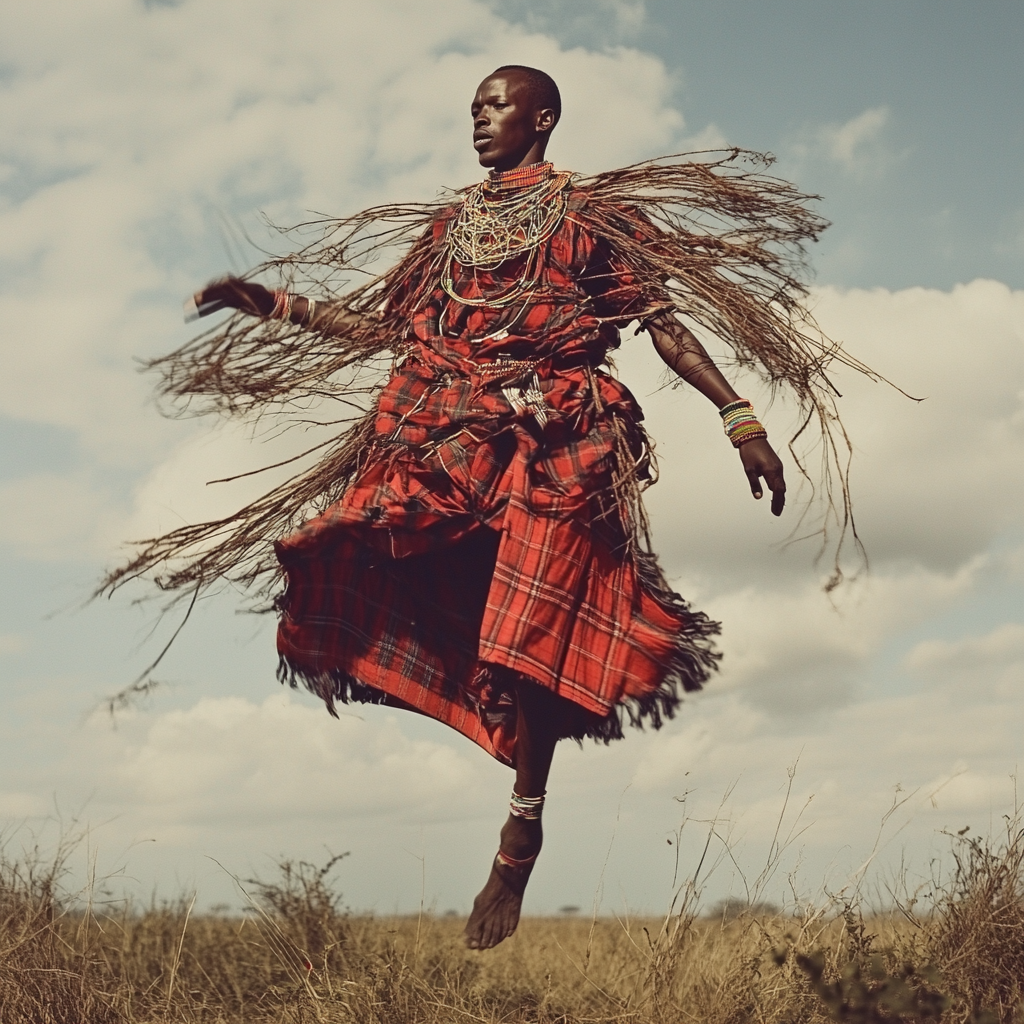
{"type": "Point", "coordinates": [496, 909]}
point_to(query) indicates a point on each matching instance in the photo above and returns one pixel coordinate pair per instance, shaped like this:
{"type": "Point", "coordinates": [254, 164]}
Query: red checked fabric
{"type": "Point", "coordinates": [475, 541]}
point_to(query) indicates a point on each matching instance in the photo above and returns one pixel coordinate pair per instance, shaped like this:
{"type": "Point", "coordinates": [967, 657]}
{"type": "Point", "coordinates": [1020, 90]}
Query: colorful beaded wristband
{"type": "Point", "coordinates": [741, 425]}
{"type": "Point", "coordinates": [527, 807]}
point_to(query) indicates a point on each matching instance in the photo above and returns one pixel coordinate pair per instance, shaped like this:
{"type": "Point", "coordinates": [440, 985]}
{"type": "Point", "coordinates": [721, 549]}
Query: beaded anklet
{"type": "Point", "coordinates": [741, 425]}
{"type": "Point", "coordinates": [514, 862]}
{"type": "Point", "coordinates": [527, 807]}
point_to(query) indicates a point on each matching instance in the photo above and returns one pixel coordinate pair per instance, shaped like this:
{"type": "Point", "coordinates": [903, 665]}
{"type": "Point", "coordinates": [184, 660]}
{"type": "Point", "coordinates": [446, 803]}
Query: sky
{"type": "Point", "coordinates": [142, 143]}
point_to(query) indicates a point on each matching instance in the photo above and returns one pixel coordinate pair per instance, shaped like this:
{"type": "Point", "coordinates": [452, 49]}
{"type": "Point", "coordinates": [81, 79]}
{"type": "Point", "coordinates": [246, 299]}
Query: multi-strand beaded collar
{"type": "Point", "coordinates": [519, 177]}
{"type": "Point", "coordinates": [510, 214]}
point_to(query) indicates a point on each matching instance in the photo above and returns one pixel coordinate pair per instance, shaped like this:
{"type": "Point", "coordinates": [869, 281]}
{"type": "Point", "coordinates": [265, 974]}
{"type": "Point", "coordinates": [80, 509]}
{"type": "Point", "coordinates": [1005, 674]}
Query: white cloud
{"type": "Point", "coordinates": [130, 130]}
{"type": "Point", "coordinates": [234, 779]}
{"type": "Point", "coordinates": [709, 137]}
{"type": "Point", "coordinates": [600, 24]}
{"type": "Point", "coordinates": [794, 653]}
{"type": "Point", "coordinates": [849, 144]}
{"type": "Point", "coordinates": [229, 762]}
{"type": "Point", "coordinates": [860, 147]}
{"type": "Point", "coordinates": [1003, 645]}
{"type": "Point", "coordinates": [934, 481]}
{"type": "Point", "coordinates": [989, 664]}
{"type": "Point", "coordinates": [952, 754]}
{"type": "Point", "coordinates": [973, 793]}
{"type": "Point", "coordinates": [931, 480]}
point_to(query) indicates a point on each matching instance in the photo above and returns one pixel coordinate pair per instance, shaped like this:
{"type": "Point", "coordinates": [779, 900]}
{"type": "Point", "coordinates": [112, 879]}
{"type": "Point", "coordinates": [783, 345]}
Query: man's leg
{"type": "Point", "coordinates": [496, 910]}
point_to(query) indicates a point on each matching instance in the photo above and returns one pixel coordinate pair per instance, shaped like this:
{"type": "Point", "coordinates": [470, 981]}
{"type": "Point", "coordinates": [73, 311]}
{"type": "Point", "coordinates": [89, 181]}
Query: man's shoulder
{"type": "Point", "coordinates": [602, 213]}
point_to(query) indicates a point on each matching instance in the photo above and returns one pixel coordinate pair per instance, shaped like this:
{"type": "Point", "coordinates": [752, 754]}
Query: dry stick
{"type": "Point", "coordinates": [282, 947]}
{"type": "Point", "coordinates": [856, 877]}
{"type": "Point", "coordinates": [590, 981]}
{"type": "Point", "coordinates": [660, 949]}
{"type": "Point", "coordinates": [458, 1009]}
{"type": "Point", "coordinates": [599, 892]}
{"type": "Point", "coordinates": [777, 849]}
{"type": "Point", "coordinates": [878, 845]}
{"type": "Point", "coordinates": [143, 684]}
{"type": "Point", "coordinates": [423, 890]}
{"type": "Point", "coordinates": [205, 369]}
{"type": "Point", "coordinates": [690, 885]}
{"type": "Point", "coordinates": [709, 237]}
{"type": "Point", "coordinates": [177, 955]}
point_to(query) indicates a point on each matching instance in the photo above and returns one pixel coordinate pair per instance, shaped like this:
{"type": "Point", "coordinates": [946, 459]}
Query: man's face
{"type": "Point", "coordinates": [506, 121]}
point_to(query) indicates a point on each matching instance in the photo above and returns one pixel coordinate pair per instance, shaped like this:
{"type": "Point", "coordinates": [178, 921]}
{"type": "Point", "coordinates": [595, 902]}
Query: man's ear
{"type": "Point", "coordinates": [545, 120]}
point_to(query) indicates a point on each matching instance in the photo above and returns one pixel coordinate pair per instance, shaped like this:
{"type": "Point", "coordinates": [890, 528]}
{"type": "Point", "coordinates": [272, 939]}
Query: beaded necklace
{"type": "Point", "coordinates": [498, 221]}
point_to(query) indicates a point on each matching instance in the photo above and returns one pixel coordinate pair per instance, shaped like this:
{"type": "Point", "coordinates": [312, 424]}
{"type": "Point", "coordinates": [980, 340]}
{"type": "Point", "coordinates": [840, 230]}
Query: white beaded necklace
{"type": "Point", "coordinates": [491, 228]}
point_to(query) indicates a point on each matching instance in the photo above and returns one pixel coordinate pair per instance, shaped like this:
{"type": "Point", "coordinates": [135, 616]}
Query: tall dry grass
{"type": "Point", "coordinates": [299, 957]}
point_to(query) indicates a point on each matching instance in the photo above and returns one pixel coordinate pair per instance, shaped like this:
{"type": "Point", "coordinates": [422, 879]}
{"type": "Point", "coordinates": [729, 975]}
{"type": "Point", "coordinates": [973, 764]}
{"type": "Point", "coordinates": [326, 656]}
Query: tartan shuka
{"type": "Point", "coordinates": [480, 522]}
{"type": "Point", "coordinates": [483, 539]}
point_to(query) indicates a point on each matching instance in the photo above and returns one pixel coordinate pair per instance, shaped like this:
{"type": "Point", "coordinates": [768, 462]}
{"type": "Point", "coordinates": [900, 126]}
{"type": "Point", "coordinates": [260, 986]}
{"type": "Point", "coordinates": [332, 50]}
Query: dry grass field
{"type": "Point", "coordinates": [956, 956]}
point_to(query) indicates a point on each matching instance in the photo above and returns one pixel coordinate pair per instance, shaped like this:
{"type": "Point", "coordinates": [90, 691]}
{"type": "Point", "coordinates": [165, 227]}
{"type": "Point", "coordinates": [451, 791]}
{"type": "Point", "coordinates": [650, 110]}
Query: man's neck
{"type": "Point", "coordinates": [534, 155]}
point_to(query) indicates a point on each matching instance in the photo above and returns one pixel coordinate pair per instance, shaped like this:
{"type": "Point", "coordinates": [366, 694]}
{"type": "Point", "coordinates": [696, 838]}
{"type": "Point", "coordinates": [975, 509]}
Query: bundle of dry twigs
{"type": "Point", "coordinates": [709, 235]}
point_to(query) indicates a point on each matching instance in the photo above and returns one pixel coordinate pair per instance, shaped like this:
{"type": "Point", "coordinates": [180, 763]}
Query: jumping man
{"type": "Point", "coordinates": [480, 553]}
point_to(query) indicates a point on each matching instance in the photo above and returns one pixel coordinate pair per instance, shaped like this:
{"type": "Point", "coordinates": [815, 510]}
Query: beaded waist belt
{"type": "Point", "coordinates": [520, 385]}
{"type": "Point", "coordinates": [506, 369]}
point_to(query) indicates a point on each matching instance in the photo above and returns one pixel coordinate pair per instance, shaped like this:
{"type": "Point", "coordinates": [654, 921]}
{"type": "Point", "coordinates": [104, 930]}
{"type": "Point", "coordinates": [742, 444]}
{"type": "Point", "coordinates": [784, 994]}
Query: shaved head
{"type": "Point", "coordinates": [540, 86]}
{"type": "Point", "coordinates": [513, 111]}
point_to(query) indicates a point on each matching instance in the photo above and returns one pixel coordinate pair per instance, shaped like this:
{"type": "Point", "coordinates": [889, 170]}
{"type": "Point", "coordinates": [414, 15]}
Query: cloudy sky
{"type": "Point", "coordinates": [140, 142]}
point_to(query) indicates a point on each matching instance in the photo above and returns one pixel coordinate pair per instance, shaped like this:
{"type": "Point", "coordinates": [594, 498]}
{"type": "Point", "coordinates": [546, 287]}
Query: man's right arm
{"type": "Point", "coordinates": [256, 300]}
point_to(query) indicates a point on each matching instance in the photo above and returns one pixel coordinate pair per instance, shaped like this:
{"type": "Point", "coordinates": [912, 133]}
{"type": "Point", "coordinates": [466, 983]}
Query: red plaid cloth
{"type": "Point", "coordinates": [481, 543]}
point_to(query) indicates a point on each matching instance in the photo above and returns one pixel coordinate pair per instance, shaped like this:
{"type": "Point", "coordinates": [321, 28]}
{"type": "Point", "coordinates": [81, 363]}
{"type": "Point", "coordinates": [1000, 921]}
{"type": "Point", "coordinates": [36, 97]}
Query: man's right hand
{"type": "Point", "coordinates": [246, 296]}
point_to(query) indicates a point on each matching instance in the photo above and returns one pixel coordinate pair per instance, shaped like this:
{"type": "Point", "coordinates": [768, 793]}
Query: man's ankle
{"type": "Point", "coordinates": [525, 835]}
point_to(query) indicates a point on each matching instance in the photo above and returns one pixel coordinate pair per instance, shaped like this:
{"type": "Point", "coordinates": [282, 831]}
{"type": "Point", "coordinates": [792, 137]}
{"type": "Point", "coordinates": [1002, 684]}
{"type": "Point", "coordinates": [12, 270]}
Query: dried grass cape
{"type": "Point", "coordinates": [721, 242]}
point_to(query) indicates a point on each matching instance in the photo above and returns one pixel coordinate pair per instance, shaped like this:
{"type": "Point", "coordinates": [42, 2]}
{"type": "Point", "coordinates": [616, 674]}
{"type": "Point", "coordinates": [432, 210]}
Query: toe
{"type": "Point", "coordinates": [472, 931]}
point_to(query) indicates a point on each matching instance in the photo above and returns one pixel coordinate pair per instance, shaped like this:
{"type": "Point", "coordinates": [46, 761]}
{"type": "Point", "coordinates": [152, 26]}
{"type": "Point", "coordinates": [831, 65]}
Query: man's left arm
{"type": "Point", "coordinates": [683, 353]}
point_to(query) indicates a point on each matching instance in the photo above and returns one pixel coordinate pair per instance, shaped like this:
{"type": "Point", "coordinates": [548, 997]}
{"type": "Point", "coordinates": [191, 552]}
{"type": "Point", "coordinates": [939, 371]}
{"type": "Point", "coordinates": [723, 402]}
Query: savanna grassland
{"type": "Point", "coordinates": [953, 953]}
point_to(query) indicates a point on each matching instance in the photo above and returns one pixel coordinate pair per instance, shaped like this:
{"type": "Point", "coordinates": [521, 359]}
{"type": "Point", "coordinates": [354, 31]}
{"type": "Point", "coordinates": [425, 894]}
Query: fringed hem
{"type": "Point", "coordinates": [694, 657]}
{"type": "Point", "coordinates": [332, 686]}
{"type": "Point", "coordinates": [690, 665]}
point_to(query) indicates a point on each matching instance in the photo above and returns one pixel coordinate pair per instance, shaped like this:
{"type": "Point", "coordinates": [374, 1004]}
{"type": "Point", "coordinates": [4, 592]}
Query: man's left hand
{"type": "Point", "coordinates": [759, 460]}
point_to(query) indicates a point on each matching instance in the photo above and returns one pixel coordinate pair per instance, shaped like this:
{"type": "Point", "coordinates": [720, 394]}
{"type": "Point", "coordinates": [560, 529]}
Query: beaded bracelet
{"type": "Point", "coordinates": [527, 807]}
{"type": "Point", "coordinates": [282, 305]}
{"type": "Point", "coordinates": [741, 425]}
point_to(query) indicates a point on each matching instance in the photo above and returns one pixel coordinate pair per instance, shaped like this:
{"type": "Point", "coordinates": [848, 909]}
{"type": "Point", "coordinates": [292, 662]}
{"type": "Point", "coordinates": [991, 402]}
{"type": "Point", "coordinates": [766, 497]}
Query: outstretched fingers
{"type": "Point", "coordinates": [246, 296]}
